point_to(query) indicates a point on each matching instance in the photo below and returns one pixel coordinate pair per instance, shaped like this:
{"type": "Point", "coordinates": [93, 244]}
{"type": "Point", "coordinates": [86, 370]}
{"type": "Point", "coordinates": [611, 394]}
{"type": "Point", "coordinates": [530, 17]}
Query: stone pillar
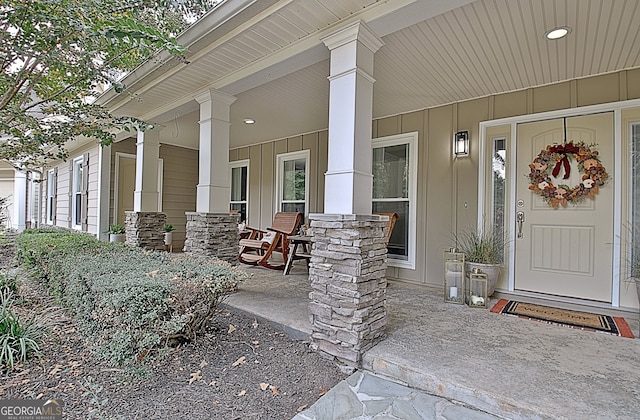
{"type": "Point", "coordinates": [347, 274]}
{"type": "Point", "coordinates": [213, 235]}
{"type": "Point", "coordinates": [145, 229]}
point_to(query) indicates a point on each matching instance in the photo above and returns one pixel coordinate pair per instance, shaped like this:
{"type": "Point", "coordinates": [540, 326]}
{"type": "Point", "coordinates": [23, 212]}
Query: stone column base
{"type": "Point", "coordinates": [347, 274]}
{"type": "Point", "coordinates": [145, 229]}
{"type": "Point", "coordinates": [213, 235]}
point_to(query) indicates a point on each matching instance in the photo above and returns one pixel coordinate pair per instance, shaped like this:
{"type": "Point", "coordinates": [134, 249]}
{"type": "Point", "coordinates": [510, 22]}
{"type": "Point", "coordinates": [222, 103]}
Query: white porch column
{"type": "Point", "coordinates": [213, 189]}
{"type": "Point", "coordinates": [348, 180]}
{"type": "Point", "coordinates": [145, 196]}
{"type": "Point", "coordinates": [348, 255]}
{"type": "Point", "coordinates": [211, 230]}
{"type": "Point", "coordinates": [19, 200]}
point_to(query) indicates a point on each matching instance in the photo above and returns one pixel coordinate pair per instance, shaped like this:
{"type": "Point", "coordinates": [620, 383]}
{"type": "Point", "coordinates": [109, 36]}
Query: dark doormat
{"type": "Point", "coordinates": [573, 319]}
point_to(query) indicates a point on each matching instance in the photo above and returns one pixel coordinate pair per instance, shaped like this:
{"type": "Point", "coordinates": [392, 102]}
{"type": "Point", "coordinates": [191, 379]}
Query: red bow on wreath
{"type": "Point", "coordinates": [563, 150]}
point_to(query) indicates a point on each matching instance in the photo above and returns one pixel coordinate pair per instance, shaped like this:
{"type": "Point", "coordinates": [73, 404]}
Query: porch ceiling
{"type": "Point", "coordinates": [435, 52]}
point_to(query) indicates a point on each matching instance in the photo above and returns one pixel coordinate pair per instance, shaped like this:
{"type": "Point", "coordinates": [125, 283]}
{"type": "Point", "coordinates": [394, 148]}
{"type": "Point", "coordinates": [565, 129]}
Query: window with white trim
{"type": "Point", "coordinates": [76, 192]}
{"type": "Point", "coordinates": [634, 228]}
{"type": "Point", "coordinates": [239, 178]}
{"type": "Point", "coordinates": [52, 185]}
{"type": "Point", "coordinates": [292, 183]}
{"type": "Point", "coordinates": [394, 167]}
{"type": "Point", "coordinates": [498, 182]}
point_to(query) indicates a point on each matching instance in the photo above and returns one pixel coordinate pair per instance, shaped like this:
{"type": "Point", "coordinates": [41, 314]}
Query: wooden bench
{"type": "Point", "coordinates": [261, 244]}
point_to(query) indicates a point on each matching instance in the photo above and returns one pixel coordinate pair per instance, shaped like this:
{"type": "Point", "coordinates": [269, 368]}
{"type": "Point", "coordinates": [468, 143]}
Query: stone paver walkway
{"type": "Point", "coordinates": [365, 396]}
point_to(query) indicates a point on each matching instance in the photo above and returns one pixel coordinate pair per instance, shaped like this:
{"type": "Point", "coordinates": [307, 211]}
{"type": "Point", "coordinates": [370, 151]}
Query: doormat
{"type": "Point", "coordinates": [573, 319]}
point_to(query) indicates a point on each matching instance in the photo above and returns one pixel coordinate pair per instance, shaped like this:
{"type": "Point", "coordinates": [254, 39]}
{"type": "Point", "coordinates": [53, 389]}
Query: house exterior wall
{"type": "Point", "coordinates": [6, 190]}
{"type": "Point", "coordinates": [447, 187]}
{"type": "Point", "coordinates": [125, 146]}
{"type": "Point", "coordinates": [179, 188]}
{"type": "Point", "coordinates": [262, 173]}
{"type": "Point", "coordinates": [63, 211]}
{"type": "Point", "coordinates": [180, 178]}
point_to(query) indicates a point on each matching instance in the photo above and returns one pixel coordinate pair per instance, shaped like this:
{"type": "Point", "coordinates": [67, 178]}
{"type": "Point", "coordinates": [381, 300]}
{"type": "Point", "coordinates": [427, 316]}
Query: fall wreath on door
{"type": "Point", "coordinates": [557, 157]}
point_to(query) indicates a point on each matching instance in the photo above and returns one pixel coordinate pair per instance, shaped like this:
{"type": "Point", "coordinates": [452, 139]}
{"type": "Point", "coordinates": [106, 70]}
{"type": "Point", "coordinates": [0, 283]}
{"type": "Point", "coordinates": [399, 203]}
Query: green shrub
{"type": "Point", "coordinates": [127, 301]}
{"type": "Point", "coordinates": [8, 282]}
{"type": "Point", "coordinates": [18, 340]}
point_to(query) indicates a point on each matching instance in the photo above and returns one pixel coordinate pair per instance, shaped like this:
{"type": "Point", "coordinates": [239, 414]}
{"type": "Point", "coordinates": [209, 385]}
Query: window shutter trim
{"type": "Point", "coordinates": [84, 213]}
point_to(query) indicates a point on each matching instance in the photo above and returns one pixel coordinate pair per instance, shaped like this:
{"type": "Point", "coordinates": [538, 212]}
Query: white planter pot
{"type": "Point", "coordinates": [117, 237]}
{"type": "Point", "coordinates": [491, 270]}
{"type": "Point", "coordinates": [168, 238]}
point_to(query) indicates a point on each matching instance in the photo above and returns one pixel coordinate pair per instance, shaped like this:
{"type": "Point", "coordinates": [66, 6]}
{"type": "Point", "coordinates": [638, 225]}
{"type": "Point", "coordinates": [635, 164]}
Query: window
{"type": "Point", "coordinates": [498, 162]}
{"type": "Point", "coordinates": [292, 182]}
{"type": "Point", "coordinates": [76, 192]}
{"type": "Point", "coordinates": [52, 185]}
{"type": "Point", "coordinates": [394, 170]}
{"type": "Point", "coordinates": [635, 194]}
{"type": "Point", "coordinates": [239, 186]}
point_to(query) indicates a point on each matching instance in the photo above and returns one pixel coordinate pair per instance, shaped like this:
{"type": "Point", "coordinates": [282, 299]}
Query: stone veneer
{"type": "Point", "coordinates": [213, 235]}
{"type": "Point", "coordinates": [347, 274]}
{"type": "Point", "coordinates": [145, 229]}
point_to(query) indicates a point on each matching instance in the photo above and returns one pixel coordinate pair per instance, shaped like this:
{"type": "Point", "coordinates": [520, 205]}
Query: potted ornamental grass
{"type": "Point", "coordinates": [117, 233]}
{"type": "Point", "coordinates": [484, 251]}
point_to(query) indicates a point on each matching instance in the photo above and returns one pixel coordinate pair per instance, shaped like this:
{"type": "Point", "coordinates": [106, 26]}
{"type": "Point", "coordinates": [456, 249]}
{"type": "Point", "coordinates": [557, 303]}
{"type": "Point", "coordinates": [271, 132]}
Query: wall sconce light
{"type": "Point", "coordinates": [461, 143]}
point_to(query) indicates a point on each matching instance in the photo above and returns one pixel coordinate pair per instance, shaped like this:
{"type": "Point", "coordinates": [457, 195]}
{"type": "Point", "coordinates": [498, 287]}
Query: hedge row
{"type": "Point", "coordinates": [127, 301]}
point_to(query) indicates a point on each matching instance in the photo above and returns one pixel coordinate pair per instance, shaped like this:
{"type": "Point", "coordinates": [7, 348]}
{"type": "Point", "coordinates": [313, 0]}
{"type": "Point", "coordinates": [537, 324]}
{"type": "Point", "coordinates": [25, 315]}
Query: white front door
{"type": "Point", "coordinates": [565, 251]}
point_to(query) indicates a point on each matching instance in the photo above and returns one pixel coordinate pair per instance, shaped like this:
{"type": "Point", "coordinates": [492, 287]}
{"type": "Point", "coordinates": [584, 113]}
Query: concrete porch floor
{"type": "Point", "coordinates": [503, 365]}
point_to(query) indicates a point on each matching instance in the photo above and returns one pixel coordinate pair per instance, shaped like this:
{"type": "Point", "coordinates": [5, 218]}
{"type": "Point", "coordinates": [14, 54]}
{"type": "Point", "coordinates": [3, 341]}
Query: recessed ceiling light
{"type": "Point", "coordinates": [249, 121]}
{"type": "Point", "coordinates": [557, 33]}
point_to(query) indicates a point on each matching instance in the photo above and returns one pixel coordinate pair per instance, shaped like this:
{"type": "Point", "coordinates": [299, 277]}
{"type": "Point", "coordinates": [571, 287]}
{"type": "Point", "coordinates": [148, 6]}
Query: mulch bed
{"type": "Point", "coordinates": [240, 369]}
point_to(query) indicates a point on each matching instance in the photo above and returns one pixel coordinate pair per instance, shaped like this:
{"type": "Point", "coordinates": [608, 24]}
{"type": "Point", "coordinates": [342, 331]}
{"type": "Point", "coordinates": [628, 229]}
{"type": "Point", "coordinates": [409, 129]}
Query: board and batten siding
{"type": "Point", "coordinates": [179, 182]}
{"type": "Point", "coordinates": [263, 173]}
{"type": "Point", "coordinates": [447, 187]}
{"type": "Point", "coordinates": [180, 179]}
{"type": "Point", "coordinates": [7, 189]}
{"type": "Point", "coordinates": [127, 146]}
{"type": "Point", "coordinates": [63, 213]}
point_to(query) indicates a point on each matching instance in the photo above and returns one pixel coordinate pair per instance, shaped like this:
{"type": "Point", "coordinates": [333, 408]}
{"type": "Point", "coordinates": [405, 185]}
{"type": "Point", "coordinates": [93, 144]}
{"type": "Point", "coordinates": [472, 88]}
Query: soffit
{"type": "Point", "coordinates": [481, 48]}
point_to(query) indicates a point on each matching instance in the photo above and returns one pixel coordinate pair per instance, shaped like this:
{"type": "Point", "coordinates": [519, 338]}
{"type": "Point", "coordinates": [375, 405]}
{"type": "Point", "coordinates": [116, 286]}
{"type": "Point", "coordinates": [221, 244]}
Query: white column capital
{"type": "Point", "coordinates": [357, 31]}
{"type": "Point", "coordinates": [149, 135]}
{"type": "Point", "coordinates": [214, 95]}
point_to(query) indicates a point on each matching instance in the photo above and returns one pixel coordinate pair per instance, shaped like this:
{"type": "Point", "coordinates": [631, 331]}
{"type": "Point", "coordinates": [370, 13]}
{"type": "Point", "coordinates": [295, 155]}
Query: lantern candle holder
{"type": "Point", "coordinates": [477, 289]}
{"type": "Point", "coordinates": [454, 276]}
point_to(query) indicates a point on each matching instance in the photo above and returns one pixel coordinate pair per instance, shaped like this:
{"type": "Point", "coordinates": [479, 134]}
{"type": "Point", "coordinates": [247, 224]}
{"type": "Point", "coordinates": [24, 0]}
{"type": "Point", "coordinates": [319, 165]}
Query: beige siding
{"type": "Point", "coordinates": [267, 183]}
{"type": "Point", "coordinates": [63, 215]}
{"type": "Point", "coordinates": [180, 178]}
{"type": "Point", "coordinates": [447, 188]}
{"type": "Point", "coordinates": [6, 190]}
{"type": "Point", "coordinates": [93, 202]}
{"type": "Point", "coordinates": [179, 181]}
{"type": "Point", "coordinates": [125, 146]}
{"type": "Point", "coordinates": [262, 173]}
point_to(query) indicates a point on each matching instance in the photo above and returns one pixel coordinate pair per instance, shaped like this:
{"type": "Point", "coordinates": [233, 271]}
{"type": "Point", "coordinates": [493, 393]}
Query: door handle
{"type": "Point", "coordinates": [519, 221]}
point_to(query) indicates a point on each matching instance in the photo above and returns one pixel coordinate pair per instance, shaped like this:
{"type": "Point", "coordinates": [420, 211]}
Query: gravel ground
{"type": "Point", "coordinates": [240, 369]}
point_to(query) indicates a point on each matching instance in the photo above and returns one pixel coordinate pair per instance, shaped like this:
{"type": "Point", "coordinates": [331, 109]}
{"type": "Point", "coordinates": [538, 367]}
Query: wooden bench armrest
{"type": "Point", "coordinates": [255, 232]}
{"type": "Point", "coordinates": [278, 231]}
